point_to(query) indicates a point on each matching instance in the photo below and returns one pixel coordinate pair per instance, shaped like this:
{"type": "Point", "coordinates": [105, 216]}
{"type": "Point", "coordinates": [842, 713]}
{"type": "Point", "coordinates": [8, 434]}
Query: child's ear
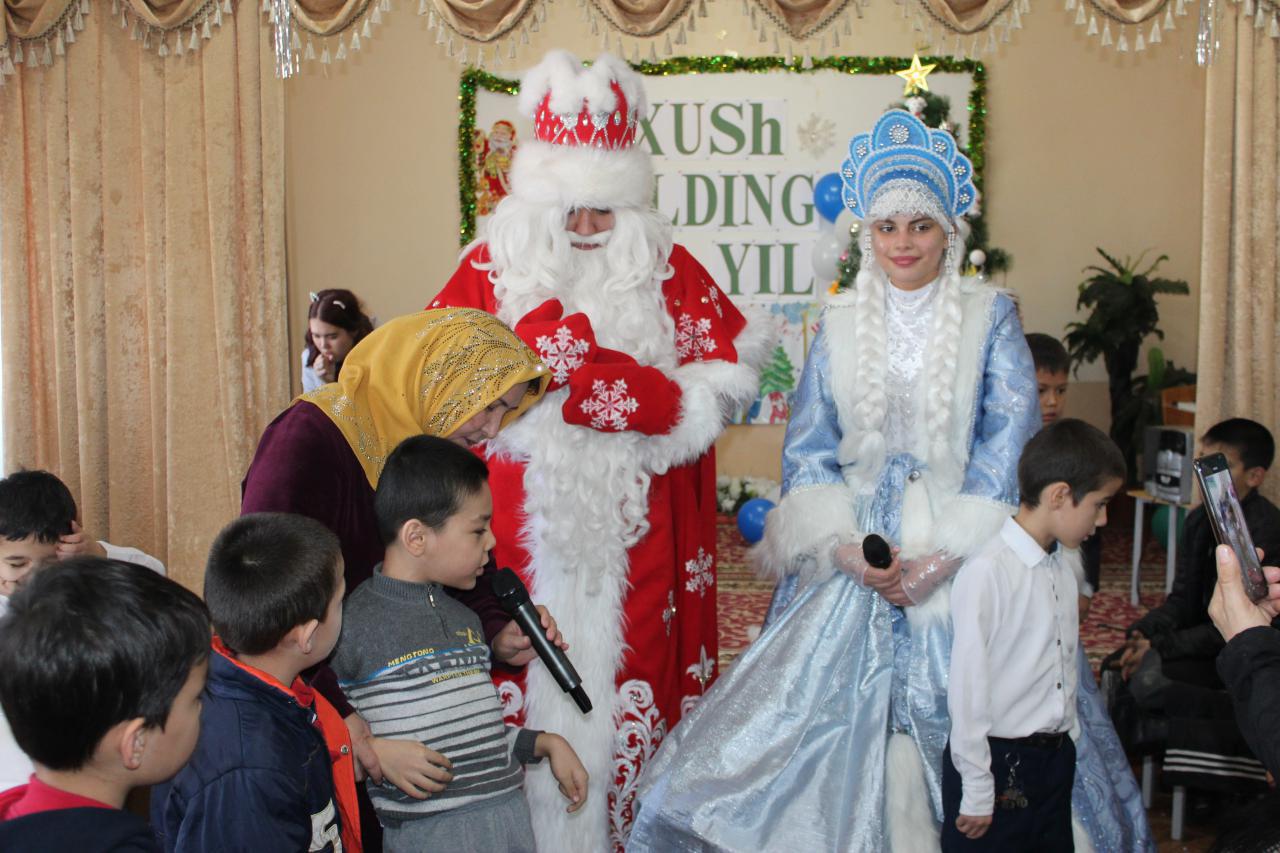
{"type": "Point", "coordinates": [1255, 475]}
{"type": "Point", "coordinates": [304, 635]}
{"type": "Point", "coordinates": [132, 742]}
{"type": "Point", "coordinates": [1058, 495]}
{"type": "Point", "coordinates": [415, 537]}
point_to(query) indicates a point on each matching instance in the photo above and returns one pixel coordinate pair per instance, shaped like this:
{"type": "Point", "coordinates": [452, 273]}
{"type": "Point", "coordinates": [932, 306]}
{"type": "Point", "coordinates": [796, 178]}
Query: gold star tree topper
{"type": "Point", "coordinates": [915, 76]}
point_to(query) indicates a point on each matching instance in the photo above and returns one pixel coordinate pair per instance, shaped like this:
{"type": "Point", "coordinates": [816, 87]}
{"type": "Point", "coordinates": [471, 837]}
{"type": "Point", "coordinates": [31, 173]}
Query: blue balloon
{"type": "Point", "coordinates": [751, 519]}
{"type": "Point", "coordinates": [826, 197]}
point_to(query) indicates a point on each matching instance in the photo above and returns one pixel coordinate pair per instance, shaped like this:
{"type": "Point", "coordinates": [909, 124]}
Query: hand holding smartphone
{"type": "Point", "coordinates": [1223, 507]}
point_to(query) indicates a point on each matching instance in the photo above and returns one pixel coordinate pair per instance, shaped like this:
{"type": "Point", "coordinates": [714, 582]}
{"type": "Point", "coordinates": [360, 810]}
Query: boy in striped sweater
{"type": "Point", "coordinates": [414, 663]}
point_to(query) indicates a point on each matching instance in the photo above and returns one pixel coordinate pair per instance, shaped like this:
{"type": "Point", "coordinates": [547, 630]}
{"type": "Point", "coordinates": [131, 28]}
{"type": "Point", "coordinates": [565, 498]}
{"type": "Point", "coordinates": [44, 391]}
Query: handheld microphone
{"type": "Point", "coordinates": [876, 552]}
{"type": "Point", "coordinates": [514, 598]}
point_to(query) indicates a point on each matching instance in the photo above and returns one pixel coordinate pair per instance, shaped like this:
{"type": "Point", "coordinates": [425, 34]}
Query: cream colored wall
{"type": "Point", "coordinates": [1085, 147]}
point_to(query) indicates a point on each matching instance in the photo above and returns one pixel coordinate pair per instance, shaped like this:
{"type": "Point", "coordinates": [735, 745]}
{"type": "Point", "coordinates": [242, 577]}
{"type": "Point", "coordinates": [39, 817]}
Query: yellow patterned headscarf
{"type": "Point", "coordinates": [425, 373]}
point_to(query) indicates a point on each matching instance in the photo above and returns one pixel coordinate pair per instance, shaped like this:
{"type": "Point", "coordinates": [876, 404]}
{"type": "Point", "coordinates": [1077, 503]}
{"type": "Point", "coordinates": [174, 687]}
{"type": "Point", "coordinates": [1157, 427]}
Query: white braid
{"type": "Point", "coordinates": [944, 354]}
{"type": "Point", "coordinates": [864, 443]}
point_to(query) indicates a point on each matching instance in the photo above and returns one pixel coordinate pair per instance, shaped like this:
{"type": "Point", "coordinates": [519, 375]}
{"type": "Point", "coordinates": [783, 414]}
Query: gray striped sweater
{"type": "Point", "coordinates": [414, 663]}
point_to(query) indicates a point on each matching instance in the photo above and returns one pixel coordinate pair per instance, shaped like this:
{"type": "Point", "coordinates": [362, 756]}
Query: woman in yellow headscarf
{"type": "Point", "coordinates": [458, 374]}
{"type": "Point", "coordinates": [455, 373]}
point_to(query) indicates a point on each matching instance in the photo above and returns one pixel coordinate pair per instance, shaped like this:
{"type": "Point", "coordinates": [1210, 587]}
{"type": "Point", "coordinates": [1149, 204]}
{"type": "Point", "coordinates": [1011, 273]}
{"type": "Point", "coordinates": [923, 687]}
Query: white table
{"type": "Point", "coordinates": [1141, 498]}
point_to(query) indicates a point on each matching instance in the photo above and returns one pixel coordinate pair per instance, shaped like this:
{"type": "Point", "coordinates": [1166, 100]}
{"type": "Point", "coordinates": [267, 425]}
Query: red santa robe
{"type": "Point", "coordinates": [633, 587]}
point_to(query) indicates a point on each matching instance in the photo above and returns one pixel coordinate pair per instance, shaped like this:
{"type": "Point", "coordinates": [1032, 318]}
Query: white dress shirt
{"type": "Point", "coordinates": [1013, 662]}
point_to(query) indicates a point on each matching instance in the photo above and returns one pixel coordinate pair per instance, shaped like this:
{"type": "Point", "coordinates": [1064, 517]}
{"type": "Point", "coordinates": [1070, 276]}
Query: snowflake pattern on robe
{"type": "Point", "coordinates": [563, 353]}
{"type": "Point", "coordinates": [693, 337]}
{"type": "Point", "coordinates": [609, 405]}
{"type": "Point", "coordinates": [700, 574]}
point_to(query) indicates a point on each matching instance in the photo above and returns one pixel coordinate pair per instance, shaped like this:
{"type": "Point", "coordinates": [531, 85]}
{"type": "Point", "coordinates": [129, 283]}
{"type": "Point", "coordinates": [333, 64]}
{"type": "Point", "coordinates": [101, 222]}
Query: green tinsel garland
{"type": "Point", "coordinates": [474, 79]}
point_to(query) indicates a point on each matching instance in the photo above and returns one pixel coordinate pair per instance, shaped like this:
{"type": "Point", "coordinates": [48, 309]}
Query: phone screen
{"type": "Point", "coordinates": [1223, 507]}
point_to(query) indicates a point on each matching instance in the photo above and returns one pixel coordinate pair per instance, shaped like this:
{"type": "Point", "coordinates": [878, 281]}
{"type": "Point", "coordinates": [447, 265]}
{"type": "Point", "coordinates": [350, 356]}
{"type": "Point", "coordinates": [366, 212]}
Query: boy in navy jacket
{"type": "Point", "coordinates": [273, 768]}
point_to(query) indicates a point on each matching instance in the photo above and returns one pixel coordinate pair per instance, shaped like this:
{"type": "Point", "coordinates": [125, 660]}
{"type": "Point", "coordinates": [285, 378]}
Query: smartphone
{"type": "Point", "coordinates": [1223, 507]}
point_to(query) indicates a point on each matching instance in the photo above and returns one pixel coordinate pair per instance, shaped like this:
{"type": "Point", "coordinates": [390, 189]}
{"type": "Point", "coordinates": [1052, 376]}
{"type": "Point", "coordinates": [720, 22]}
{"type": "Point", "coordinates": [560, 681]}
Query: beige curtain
{"type": "Point", "coordinates": [478, 20]}
{"type": "Point", "coordinates": [972, 16]}
{"type": "Point", "coordinates": [1239, 360]}
{"type": "Point", "coordinates": [800, 19]}
{"type": "Point", "coordinates": [143, 282]}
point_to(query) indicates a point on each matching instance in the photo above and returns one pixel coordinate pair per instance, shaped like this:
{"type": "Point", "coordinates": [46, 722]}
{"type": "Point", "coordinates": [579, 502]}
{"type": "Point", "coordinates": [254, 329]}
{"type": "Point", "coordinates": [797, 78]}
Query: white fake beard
{"type": "Point", "coordinates": [618, 286]}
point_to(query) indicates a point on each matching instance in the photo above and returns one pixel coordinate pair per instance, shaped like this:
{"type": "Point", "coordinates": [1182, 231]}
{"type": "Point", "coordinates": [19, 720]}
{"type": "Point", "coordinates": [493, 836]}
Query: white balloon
{"type": "Point", "coordinates": [845, 223]}
{"type": "Point", "coordinates": [827, 250]}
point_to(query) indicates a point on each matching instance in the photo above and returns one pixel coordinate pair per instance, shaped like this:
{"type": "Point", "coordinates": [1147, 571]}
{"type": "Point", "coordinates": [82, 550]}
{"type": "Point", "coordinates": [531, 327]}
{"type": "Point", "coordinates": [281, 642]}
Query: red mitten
{"type": "Point", "coordinates": [563, 343]}
{"type": "Point", "coordinates": [615, 393]}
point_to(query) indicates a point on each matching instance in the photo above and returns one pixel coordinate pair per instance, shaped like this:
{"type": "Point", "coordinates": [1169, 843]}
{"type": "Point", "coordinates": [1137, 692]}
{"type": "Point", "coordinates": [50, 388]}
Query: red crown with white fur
{"type": "Point", "coordinates": [586, 124]}
{"type": "Point", "coordinates": [612, 130]}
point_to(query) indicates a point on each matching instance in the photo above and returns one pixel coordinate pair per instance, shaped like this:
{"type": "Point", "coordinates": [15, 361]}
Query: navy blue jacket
{"type": "Point", "coordinates": [82, 830]}
{"type": "Point", "coordinates": [260, 779]}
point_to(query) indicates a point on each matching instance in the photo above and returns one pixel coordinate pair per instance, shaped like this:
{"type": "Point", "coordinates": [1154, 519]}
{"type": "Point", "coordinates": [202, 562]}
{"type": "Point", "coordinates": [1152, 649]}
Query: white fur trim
{"type": "Point", "coordinates": [581, 176]}
{"type": "Point", "coordinates": [857, 371]}
{"type": "Point", "coordinates": [575, 481]}
{"type": "Point", "coordinates": [755, 343]}
{"type": "Point", "coordinates": [908, 815]}
{"type": "Point", "coordinates": [711, 392]}
{"type": "Point", "coordinates": [808, 523]}
{"type": "Point", "coordinates": [563, 75]}
{"type": "Point", "coordinates": [966, 523]}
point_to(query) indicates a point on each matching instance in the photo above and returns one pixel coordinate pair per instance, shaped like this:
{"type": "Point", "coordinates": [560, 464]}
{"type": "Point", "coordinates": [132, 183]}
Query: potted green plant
{"type": "Point", "coordinates": [1121, 300]}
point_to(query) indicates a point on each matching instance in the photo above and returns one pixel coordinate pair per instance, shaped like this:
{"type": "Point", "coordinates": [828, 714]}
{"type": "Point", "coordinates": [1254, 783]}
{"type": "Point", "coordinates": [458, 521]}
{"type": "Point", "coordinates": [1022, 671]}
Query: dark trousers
{"type": "Point", "coordinates": [1044, 774]}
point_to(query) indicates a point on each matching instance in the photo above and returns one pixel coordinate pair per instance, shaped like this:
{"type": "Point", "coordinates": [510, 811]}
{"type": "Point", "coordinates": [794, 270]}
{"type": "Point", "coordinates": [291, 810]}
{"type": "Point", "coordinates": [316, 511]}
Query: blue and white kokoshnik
{"type": "Point", "coordinates": [900, 148]}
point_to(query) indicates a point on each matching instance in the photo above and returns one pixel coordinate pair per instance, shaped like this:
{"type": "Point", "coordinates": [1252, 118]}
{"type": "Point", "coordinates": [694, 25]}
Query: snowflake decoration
{"type": "Point", "coordinates": [704, 669]}
{"type": "Point", "coordinates": [562, 353]}
{"type": "Point", "coordinates": [816, 135]}
{"type": "Point", "coordinates": [693, 337]}
{"type": "Point", "coordinates": [609, 405]}
{"type": "Point", "coordinates": [700, 575]}
{"type": "Point", "coordinates": [899, 134]}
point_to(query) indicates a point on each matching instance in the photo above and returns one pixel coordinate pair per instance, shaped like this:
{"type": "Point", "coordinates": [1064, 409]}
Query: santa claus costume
{"type": "Point", "coordinates": [604, 492]}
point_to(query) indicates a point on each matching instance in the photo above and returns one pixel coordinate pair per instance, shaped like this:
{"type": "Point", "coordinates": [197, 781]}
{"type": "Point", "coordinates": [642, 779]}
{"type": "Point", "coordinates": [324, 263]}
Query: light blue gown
{"type": "Point", "coordinates": [787, 750]}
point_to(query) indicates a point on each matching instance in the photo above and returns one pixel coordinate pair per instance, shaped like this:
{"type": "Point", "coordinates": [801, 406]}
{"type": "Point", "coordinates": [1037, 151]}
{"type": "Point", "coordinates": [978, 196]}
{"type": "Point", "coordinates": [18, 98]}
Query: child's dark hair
{"type": "Point", "coordinates": [1068, 451]}
{"type": "Point", "coordinates": [1248, 438]}
{"type": "Point", "coordinates": [269, 572]}
{"type": "Point", "coordinates": [425, 478]}
{"type": "Point", "coordinates": [337, 307]}
{"type": "Point", "coordinates": [89, 643]}
{"type": "Point", "coordinates": [35, 503]}
{"type": "Point", "coordinates": [1048, 353]}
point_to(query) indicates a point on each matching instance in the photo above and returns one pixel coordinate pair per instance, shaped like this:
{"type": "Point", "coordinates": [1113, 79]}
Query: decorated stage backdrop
{"type": "Point", "coordinates": [738, 145]}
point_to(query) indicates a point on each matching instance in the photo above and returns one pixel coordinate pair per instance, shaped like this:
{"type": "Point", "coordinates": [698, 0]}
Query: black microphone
{"type": "Point", "coordinates": [876, 552]}
{"type": "Point", "coordinates": [514, 599]}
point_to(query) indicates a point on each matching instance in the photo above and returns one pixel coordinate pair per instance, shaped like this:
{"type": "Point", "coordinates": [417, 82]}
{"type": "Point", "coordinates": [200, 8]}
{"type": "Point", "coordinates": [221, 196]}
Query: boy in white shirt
{"type": "Point", "coordinates": [1010, 764]}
